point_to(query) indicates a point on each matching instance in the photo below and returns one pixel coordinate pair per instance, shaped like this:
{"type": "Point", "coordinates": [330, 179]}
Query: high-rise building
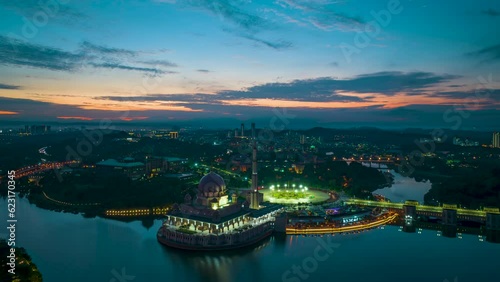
{"type": "Point", "coordinates": [302, 139]}
{"type": "Point", "coordinates": [496, 140]}
{"type": "Point", "coordinates": [37, 129]}
{"type": "Point", "coordinates": [242, 129]}
{"type": "Point", "coordinates": [173, 134]}
{"type": "Point", "coordinates": [253, 130]}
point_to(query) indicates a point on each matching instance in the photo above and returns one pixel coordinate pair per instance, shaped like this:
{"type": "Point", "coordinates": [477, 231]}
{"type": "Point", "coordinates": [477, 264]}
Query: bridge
{"type": "Point", "coordinates": [34, 169]}
{"type": "Point", "coordinates": [450, 214]}
{"type": "Point", "coordinates": [350, 228]}
{"type": "Point", "coordinates": [423, 209]}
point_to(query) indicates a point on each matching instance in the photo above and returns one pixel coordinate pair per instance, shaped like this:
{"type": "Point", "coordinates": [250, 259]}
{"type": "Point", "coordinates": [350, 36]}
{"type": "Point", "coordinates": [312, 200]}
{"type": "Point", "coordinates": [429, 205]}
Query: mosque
{"type": "Point", "coordinates": [215, 221]}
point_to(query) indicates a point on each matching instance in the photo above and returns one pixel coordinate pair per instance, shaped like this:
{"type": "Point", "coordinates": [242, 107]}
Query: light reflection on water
{"type": "Point", "coordinates": [68, 247]}
{"type": "Point", "coordinates": [404, 188]}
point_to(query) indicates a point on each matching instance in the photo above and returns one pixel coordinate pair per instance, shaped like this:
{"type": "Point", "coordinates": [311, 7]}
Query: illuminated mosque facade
{"type": "Point", "coordinates": [215, 221]}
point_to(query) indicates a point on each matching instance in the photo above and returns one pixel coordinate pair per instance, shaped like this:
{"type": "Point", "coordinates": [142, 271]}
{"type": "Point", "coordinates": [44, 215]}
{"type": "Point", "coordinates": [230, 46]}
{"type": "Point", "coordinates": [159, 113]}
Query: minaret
{"type": "Point", "coordinates": [254, 167]}
{"type": "Point", "coordinates": [254, 199]}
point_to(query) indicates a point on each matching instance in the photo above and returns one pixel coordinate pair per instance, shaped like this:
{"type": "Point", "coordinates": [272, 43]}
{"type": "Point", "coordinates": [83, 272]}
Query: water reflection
{"type": "Point", "coordinates": [68, 247]}
{"type": "Point", "coordinates": [219, 266]}
{"type": "Point", "coordinates": [403, 188]}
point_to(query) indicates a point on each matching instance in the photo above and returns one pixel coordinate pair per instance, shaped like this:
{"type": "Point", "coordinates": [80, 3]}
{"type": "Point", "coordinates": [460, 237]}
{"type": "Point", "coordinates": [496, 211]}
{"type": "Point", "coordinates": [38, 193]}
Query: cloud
{"type": "Point", "coordinates": [58, 12]}
{"type": "Point", "coordinates": [24, 54]}
{"type": "Point", "coordinates": [390, 83]}
{"type": "Point", "coordinates": [277, 45]}
{"type": "Point", "coordinates": [203, 71]}
{"type": "Point", "coordinates": [488, 54]}
{"type": "Point", "coordinates": [323, 89]}
{"type": "Point", "coordinates": [8, 113]}
{"type": "Point", "coordinates": [322, 15]}
{"type": "Point", "coordinates": [18, 53]}
{"type": "Point", "coordinates": [491, 12]}
{"type": "Point", "coordinates": [210, 107]}
{"type": "Point", "coordinates": [239, 21]}
{"type": "Point", "coordinates": [8, 86]}
{"type": "Point", "coordinates": [130, 68]}
{"type": "Point", "coordinates": [337, 21]}
{"type": "Point", "coordinates": [285, 17]}
{"type": "Point", "coordinates": [191, 98]}
{"type": "Point", "coordinates": [231, 11]}
{"type": "Point", "coordinates": [161, 63]}
{"type": "Point", "coordinates": [490, 97]}
{"type": "Point", "coordinates": [85, 118]}
{"type": "Point", "coordinates": [78, 118]}
{"type": "Point", "coordinates": [92, 48]}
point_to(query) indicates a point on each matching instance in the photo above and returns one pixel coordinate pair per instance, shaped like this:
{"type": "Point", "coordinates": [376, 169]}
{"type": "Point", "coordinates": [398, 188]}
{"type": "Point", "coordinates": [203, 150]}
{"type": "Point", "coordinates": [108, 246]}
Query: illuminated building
{"type": "Point", "coordinates": [133, 170]}
{"type": "Point", "coordinates": [213, 221]}
{"type": "Point", "coordinates": [496, 140]}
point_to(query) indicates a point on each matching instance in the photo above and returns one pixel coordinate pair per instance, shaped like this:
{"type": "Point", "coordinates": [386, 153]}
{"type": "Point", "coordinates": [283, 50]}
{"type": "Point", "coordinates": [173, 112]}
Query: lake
{"type": "Point", "coordinates": [68, 247]}
{"type": "Point", "coordinates": [403, 188]}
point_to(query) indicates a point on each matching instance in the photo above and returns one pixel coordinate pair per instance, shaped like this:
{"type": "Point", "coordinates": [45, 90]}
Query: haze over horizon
{"type": "Point", "coordinates": [408, 63]}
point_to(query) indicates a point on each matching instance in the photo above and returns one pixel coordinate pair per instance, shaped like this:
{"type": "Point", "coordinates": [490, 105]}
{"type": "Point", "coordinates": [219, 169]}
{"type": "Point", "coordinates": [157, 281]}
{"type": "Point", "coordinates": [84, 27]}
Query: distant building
{"type": "Point", "coordinates": [302, 139]}
{"type": "Point", "coordinates": [464, 142]}
{"type": "Point", "coordinates": [156, 165]}
{"type": "Point", "coordinates": [496, 140]}
{"type": "Point", "coordinates": [133, 170]}
{"type": "Point", "coordinates": [36, 129]}
{"type": "Point", "coordinates": [180, 176]}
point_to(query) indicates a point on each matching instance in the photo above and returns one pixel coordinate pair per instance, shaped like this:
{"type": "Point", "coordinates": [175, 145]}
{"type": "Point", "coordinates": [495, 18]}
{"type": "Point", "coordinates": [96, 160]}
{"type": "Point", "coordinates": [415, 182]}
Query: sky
{"type": "Point", "coordinates": [406, 63]}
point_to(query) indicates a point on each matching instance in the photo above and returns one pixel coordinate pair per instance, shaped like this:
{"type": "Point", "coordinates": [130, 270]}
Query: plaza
{"type": "Point", "coordinates": [292, 196]}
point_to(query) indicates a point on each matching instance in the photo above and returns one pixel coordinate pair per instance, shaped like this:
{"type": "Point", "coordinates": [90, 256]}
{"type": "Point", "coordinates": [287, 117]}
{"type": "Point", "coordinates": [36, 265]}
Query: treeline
{"type": "Point", "coordinates": [112, 190]}
{"type": "Point", "coordinates": [25, 269]}
{"type": "Point", "coordinates": [354, 178]}
{"type": "Point", "coordinates": [473, 188]}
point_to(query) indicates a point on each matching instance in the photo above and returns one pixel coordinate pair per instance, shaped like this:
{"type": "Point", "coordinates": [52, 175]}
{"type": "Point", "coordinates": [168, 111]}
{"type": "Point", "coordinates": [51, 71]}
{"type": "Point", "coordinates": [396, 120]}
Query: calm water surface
{"type": "Point", "coordinates": [403, 188]}
{"type": "Point", "coordinates": [68, 247]}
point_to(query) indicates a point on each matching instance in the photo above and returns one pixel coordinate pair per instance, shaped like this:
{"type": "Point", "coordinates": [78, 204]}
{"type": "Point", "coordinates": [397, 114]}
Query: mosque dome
{"type": "Point", "coordinates": [212, 185]}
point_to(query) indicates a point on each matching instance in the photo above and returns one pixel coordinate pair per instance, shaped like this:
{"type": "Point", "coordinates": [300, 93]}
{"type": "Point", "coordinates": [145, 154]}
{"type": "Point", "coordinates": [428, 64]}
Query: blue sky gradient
{"type": "Point", "coordinates": [385, 62]}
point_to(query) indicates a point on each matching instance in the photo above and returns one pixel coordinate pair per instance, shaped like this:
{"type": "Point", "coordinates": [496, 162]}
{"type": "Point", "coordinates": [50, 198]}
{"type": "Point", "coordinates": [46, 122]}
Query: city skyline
{"type": "Point", "coordinates": [383, 63]}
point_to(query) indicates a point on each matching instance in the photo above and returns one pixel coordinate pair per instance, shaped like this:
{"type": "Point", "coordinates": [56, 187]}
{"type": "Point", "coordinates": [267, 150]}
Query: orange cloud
{"type": "Point", "coordinates": [133, 118]}
{"type": "Point", "coordinates": [90, 118]}
{"type": "Point", "coordinates": [8, 113]}
{"type": "Point", "coordinates": [80, 118]}
{"type": "Point", "coordinates": [296, 104]}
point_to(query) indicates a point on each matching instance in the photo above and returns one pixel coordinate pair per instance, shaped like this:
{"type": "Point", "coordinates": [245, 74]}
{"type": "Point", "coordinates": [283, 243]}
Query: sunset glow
{"type": "Point", "coordinates": [242, 61]}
